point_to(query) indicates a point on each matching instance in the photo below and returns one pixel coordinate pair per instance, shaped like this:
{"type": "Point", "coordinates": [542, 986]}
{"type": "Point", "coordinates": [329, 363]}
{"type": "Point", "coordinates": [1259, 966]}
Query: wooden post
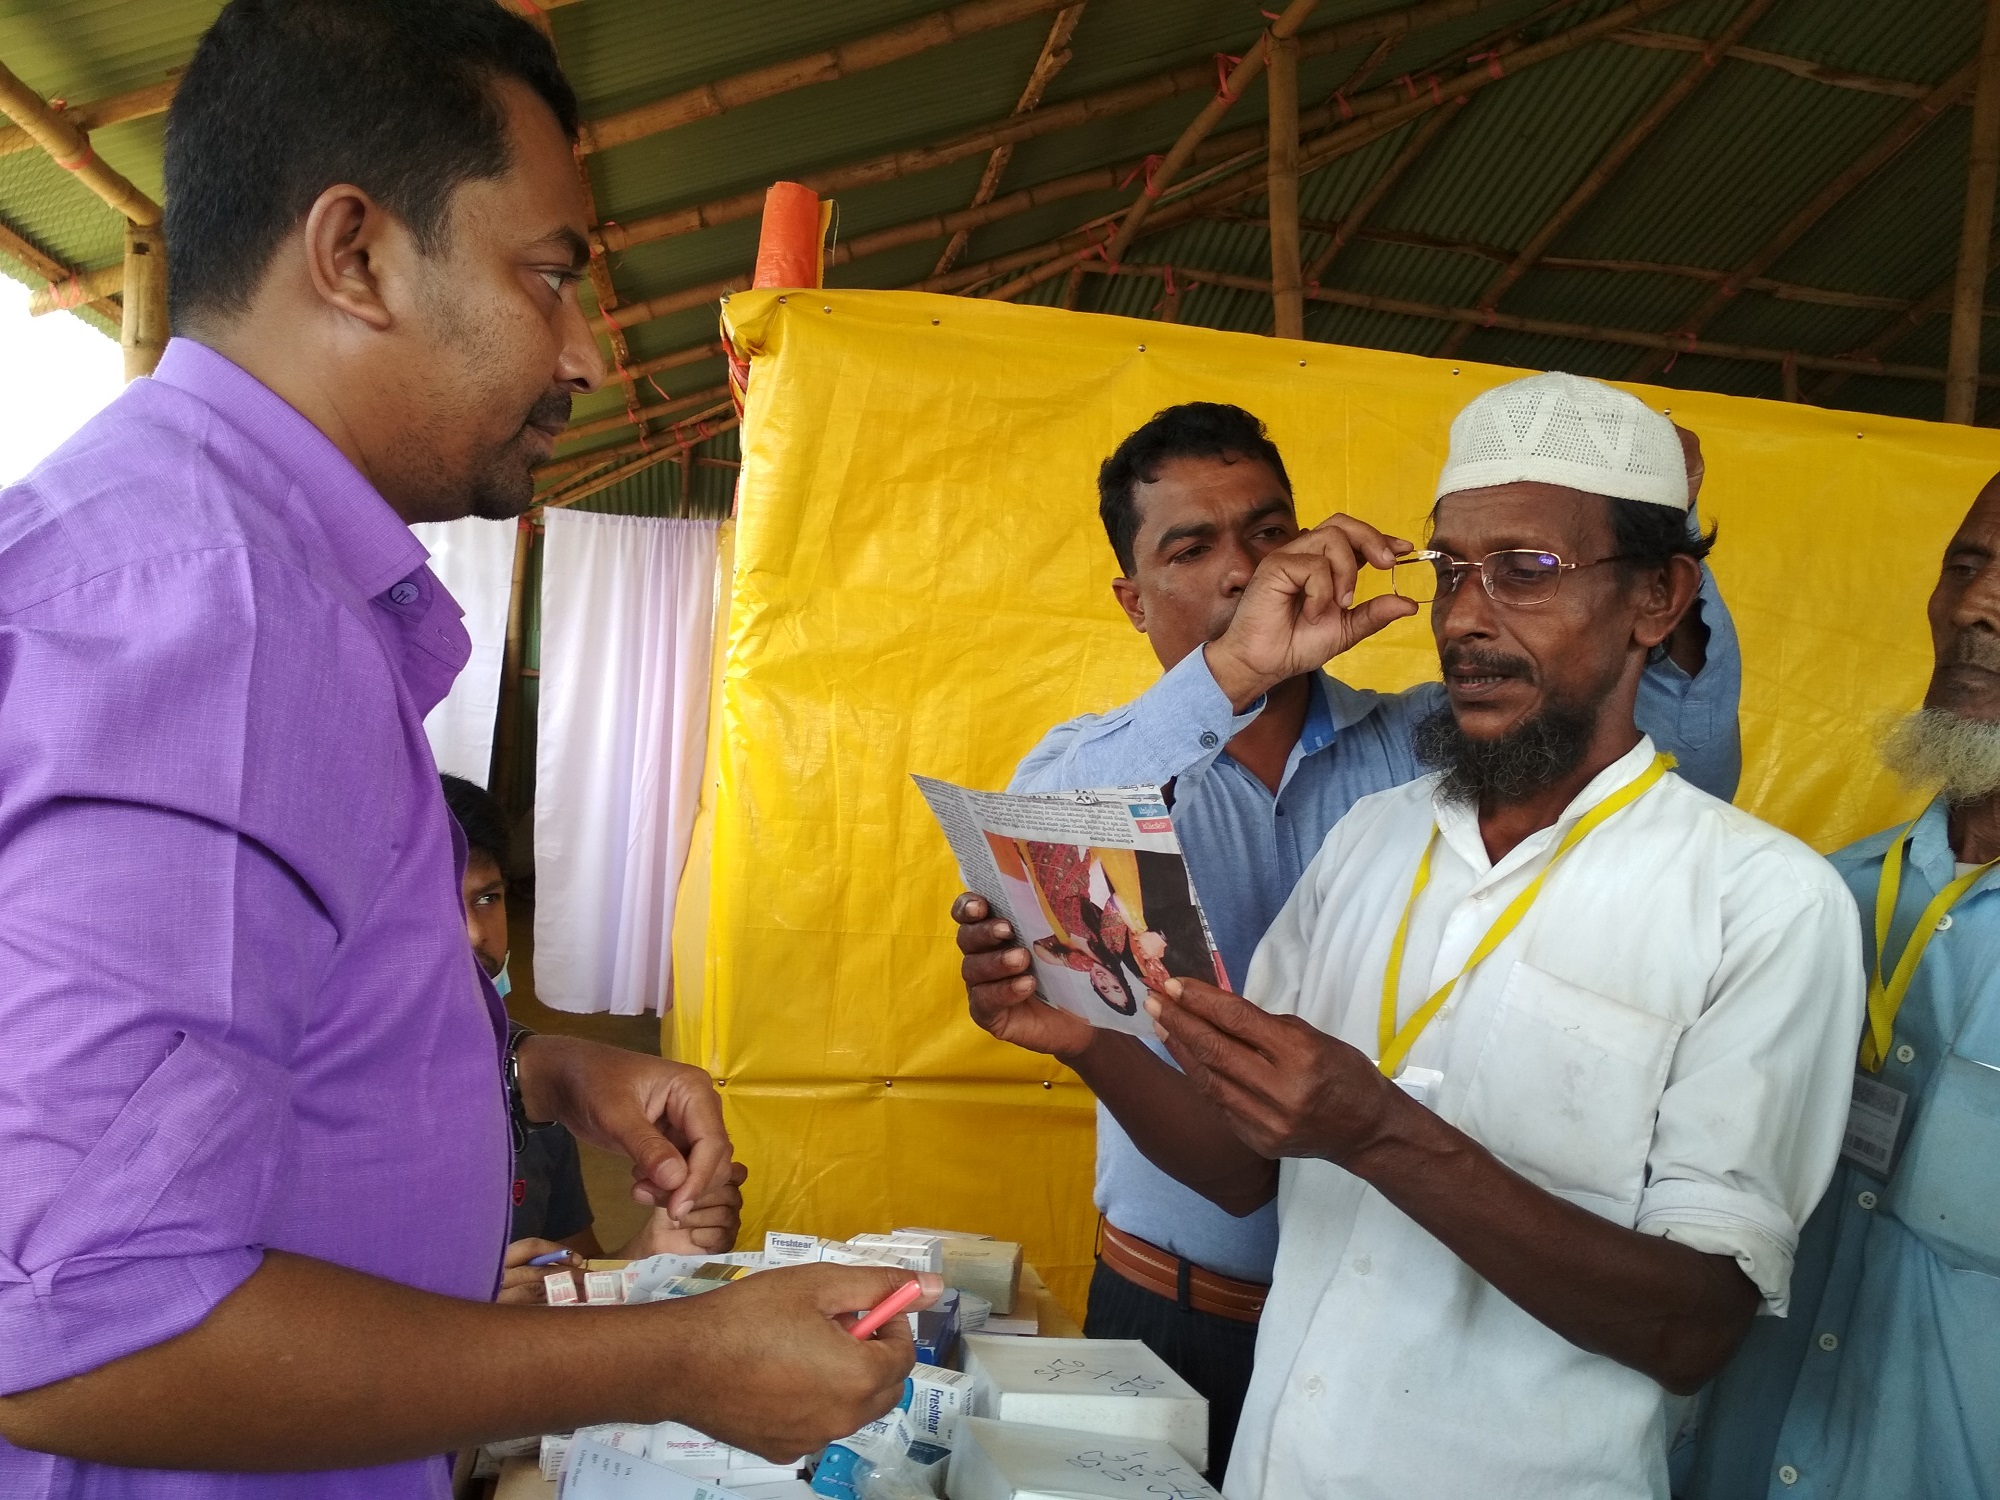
{"type": "Point", "coordinates": [1287, 306]}
{"type": "Point", "coordinates": [143, 329]}
{"type": "Point", "coordinates": [1961, 367]}
{"type": "Point", "coordinates": [507, 730]}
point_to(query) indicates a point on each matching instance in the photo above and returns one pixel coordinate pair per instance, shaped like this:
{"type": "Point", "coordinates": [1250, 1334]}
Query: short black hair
{"type": "Point", "coordinates": [285, 98]}
{"type": "Point", "coordinates": [1194, 429]}
{"type": "Point", "coordinates": [1646, 535]}
{"type": "Point", "coordinates": [479, 818]}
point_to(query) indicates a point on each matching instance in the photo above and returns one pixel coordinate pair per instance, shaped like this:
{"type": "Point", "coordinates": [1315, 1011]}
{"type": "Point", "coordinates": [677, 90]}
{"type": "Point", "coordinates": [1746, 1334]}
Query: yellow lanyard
{"type": "Point", "coordinates": [1395, 1044]}
{"type": "Point", "coordinates": [1884, 1000]}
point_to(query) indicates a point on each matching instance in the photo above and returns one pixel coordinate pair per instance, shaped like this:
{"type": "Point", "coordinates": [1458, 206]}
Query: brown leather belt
{"type": "Point", "coordinates": [1181, 1281]}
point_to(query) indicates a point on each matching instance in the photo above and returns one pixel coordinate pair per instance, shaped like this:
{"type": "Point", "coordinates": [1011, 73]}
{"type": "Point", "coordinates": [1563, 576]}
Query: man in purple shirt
{"type": "Point", "coordinates": [251, 1115]}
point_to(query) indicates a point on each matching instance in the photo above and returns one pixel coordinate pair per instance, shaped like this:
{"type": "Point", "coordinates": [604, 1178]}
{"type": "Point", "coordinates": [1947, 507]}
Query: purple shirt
{"type": "Point", "coordinates": [237, 1005]}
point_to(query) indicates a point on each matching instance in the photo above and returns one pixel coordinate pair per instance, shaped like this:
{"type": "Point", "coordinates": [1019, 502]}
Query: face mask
{"type": "Point", "coordinates": [501, 982]}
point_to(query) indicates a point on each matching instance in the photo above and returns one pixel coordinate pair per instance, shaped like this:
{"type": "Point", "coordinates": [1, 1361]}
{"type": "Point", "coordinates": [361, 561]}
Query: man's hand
{"type": "Point", "coordinates": [1287, 1089]}
{"type": "Point", "coordinates": [1298, 611]}
{"type": "Point", "coordinates": [710, 1228]}
{"type": "Point", "coordinates": [664, 1116]}
{"type": "Point", "coordinates": [784, 1376]}
{"type": "Point", "coordinates": [1001, 988]}
{"type": "Point", "coordinates": [521, 1282]}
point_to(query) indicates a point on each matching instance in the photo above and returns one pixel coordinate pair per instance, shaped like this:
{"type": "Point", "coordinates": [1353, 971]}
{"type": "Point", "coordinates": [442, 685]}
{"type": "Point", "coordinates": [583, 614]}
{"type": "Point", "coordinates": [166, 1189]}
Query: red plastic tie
{"type": "Point", "coordinates": [77, 163]}
{"type": "Point", "coordinates": [1436, 97]}
{"type": "Point", "coordinates": [1409, 86]}
{"type": "Point", "coordinates": [1486, 316]}
{"type": "Point", "coordinates": [1224, 63]}
{"type": "Point", "coordinates": [1346, 109]}
{"type": "Point", "coordinates": [1492, 61]}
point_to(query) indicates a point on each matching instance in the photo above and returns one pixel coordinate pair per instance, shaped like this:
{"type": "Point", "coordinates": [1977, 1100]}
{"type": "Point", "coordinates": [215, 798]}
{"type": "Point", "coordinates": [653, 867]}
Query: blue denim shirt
{"type": "Point", "coordinates": [1246, 847]}
{"type": "Point", "coordinates": [1885, 1379]}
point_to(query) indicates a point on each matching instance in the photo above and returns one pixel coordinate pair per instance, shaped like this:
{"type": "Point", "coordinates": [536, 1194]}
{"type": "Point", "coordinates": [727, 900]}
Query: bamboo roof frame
{"type": "Point", "coordinates": [1609, 164]}
{"type": "Point", "coordinates": [19, 247]}
{"type": "Point", "coordinates": [1892, 332]}
{"type": "Point", "coordinates": [1281, 81]}
{"type": "Point", "coordinates": [1421, 139]}
{"type": "Point", "coordinates": [1052, 59]}
{"type": "Point", "coordinates": [1590, 333]}
{"type": "Point", "coordinates": [707, 396]}
{"type": "Point", "coordinates": [116, 109]}
{"type": "Point", "coordinates": [1982, 170]}
{"type": "Point", "coordinates": [70, 149]}
{"type": "Point", "coordinates": [1906, 130]}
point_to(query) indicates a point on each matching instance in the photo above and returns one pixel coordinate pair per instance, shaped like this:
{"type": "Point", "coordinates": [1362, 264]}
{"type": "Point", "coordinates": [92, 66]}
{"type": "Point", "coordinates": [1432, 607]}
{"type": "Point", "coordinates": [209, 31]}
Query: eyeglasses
{"type": "Point", "coordinates": [1516, 577]}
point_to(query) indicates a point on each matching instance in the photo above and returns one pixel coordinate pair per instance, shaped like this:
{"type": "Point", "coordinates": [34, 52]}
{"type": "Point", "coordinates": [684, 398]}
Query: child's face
{"type": "Point", "coordinates": [486, 910]}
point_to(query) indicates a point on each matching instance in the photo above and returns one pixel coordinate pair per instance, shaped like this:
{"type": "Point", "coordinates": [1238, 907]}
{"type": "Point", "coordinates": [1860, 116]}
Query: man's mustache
{"type": "Point", "coordinates": [551, 412]}
{"type": "Point", "coordinates": [1973, 648]}
{"type": "Point", "coordinates": [1480, 663]}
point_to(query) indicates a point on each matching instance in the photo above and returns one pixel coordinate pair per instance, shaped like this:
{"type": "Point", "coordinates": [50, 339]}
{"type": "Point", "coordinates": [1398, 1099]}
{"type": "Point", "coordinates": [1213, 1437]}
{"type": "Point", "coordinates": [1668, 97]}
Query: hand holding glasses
{"type": "Point", "coordinates": [1519, 577]}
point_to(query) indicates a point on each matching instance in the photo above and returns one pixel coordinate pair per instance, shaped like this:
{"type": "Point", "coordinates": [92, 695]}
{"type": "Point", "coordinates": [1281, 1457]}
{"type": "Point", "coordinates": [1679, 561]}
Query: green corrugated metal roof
{"type": "Point", "coordinates": [1731, 166]}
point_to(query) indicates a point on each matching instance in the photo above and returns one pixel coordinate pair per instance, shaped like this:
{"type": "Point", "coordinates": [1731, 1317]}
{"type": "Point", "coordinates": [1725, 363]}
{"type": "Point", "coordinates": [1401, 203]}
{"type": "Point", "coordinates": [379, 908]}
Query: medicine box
{"type": "Point", "coordinates": [1002, 1461]}
{"type": "Point", "coordinates": [987, 1268]}
{"type": "Point", "coordinates": [1114, 1387]}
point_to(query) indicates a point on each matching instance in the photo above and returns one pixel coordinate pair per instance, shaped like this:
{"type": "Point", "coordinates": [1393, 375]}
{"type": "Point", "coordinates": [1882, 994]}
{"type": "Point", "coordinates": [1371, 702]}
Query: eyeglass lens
{"type": "Point", "coordinates": [1522, 577]}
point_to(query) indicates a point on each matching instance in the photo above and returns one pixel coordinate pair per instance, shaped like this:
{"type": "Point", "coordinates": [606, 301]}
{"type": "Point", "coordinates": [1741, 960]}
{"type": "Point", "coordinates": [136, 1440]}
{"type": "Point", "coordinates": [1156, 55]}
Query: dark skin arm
{"type": "Point", "coordinates": [1172, 1123]}
{"type": "Point", "coordinates": [308, 1365]}
{"type": "Point", "coordinates": [1668, 1311]}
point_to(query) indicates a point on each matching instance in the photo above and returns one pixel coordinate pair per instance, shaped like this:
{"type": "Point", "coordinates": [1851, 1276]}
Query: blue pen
{"type": "Point", "coordinates": [552, 1258]}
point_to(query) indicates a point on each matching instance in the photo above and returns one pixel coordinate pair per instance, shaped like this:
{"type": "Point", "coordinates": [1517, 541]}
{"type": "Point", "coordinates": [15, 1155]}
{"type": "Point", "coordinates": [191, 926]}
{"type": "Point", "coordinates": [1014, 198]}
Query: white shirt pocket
{"type": "Point", "coordinates": [1567, 1088]}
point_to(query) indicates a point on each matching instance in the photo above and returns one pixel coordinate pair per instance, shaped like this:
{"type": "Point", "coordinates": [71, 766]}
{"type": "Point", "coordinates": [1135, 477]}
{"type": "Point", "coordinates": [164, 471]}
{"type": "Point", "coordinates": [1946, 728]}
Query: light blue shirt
{"type": "Point", "coordinates": [1246, 848]}
{"type": "Point", "coordinates": [1885, 1379]}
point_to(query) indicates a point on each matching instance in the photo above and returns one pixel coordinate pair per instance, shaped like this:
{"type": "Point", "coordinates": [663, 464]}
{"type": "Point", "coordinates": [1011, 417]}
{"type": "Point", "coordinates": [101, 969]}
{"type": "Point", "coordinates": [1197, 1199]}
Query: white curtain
{"type": "Point", "coordinates": [627, 624]}
{"type": "Point", "coordinates": [475, 561]}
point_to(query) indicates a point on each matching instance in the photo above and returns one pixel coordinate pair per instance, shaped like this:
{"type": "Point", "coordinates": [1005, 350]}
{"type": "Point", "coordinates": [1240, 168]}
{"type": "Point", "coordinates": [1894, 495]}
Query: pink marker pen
{"type": "Point", "coordinates": [896, 1302]}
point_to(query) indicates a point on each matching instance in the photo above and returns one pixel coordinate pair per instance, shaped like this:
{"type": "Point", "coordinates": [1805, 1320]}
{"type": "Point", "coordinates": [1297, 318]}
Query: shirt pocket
{"type": "Point", "coordinates": [1566, 1090]}
{"type": "Point", "coordinates": [1947, 1186]}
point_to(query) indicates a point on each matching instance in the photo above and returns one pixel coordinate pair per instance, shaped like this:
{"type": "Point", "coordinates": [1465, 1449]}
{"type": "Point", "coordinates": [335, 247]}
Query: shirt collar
{"type": "Point", "coordinates": [370, 544]}
{"type": "Point", "coordinates": [1344, 706]}
{"type": "Point", "coordinates": [1458, 822]}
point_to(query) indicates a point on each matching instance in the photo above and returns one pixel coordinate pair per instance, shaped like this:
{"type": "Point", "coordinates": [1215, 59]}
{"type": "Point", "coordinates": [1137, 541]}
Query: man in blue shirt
{"type": "Point", "coordinates": [1885, 1379]}
{"type": "Point", "coordinates": [1264, 755]}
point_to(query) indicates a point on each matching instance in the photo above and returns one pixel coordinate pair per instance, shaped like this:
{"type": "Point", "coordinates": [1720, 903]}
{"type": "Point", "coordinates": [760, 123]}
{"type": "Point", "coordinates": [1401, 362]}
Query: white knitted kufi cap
{"type": "Point", "coordinates": [1563, 429]}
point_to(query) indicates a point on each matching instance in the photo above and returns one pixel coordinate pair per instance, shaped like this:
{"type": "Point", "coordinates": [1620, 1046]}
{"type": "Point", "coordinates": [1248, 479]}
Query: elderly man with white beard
{"type": "Point", "coordinates": [1885, 1380]}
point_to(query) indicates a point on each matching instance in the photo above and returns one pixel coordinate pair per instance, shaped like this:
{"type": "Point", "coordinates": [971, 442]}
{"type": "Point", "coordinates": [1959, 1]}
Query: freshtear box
{"type": "Point", "coordinates": [1004, 1461]}
{"type": "Point", "coordinates": [1113, 1387]}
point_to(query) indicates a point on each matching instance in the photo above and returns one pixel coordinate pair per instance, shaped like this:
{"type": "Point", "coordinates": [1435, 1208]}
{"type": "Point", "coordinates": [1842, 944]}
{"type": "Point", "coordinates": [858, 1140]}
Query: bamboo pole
{"type": "Point", "coordinates": [694, 354]}
{"type": "Point", "coordinates": [1053, 58]}
{"type": "Point", "coordinates": [153, 99]}
{"type": "Point", "coordinates": [707, 100]}
{"type": "Point", "coordinates": [1609, 164]}
{"type": "Point", "coordinates": [677, 405]}
{"type": "Point", "coordinates": [1907, 129]}
{"type": "Point", "coordinates": [1048, 120]}
{"type": "Point", "coordinates": [1288, 309]}
{"type": "Point", "coordinates": [507, 726]}
{"type": "Point", "coordinates": [1435, 124]}
{"type": "Point", "coordinates": [20, 248]}
{"type": "Point", "coordinates": [70, 149]}
{"type": "Point", "coordinates": [76, 289]}
{"type": "Point", "coordinates": [143, 329]}
{"type": "Point", "coordinates": [1181, 152]}
{"type": "Point", "coordinates": [1586, 332]}
{"type": "Point", "coordinates": [567, 468]}
{"type": "Point", "coordinates": [1982, 170]}
{"type": "Point", "coordinates": [1798, 67]}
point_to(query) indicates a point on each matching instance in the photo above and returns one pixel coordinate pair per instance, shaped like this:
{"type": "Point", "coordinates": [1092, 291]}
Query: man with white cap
{"type": "Point", "coordinates": [1548, 1057]}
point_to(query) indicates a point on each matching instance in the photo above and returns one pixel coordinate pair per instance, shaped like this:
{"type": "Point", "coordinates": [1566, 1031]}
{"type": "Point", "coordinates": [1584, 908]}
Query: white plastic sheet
{"type": "Point", "coordinates": [475, 561]}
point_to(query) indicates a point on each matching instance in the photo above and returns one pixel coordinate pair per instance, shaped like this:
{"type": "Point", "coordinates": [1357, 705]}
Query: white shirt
{"type": "Point", "coordinates": [1666, 1040]}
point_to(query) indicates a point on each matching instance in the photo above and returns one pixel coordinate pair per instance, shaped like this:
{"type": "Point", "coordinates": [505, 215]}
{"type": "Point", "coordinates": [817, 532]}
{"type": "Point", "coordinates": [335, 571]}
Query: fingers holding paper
{"type": "Point", "coordinates": [1287, 1089]}
{"type": "Point", "coordinates": [1000, 985]}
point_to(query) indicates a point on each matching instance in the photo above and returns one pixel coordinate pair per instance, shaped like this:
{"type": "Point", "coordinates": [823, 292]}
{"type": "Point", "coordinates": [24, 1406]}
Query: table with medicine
{"type": "Point", "coordinates": [1007, 1401]}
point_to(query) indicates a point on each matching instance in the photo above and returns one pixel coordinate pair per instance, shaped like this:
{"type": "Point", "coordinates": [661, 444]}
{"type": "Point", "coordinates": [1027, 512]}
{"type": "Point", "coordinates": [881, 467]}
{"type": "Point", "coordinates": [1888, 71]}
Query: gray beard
{"type": "Point", "coordinates": [1934, 747]}
{"type": "Point", "coordinates": [1532, 757]}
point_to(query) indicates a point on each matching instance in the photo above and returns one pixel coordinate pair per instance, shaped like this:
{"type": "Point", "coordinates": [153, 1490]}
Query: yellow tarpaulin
{"type": "Point", "coordinates": [920, 583]}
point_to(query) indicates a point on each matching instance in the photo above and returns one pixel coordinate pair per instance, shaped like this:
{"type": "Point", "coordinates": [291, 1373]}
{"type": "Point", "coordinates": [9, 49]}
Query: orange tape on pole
{"type": "Point", "coordinates": [788, 250]}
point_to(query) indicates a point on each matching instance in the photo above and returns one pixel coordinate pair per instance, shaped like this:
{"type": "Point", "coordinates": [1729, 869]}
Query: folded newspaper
{"type": "Point", "coordinates": [1094, 883]}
